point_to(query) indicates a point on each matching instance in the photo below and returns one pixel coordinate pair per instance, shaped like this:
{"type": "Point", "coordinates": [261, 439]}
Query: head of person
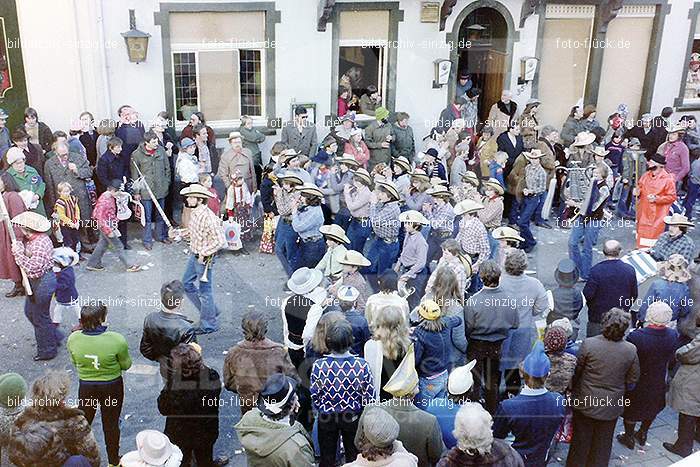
{"type": "Point", "coordinates": [617, 138]}
{"type": "Point", "coordinates": [13, 389]}
{"type": "Point", "coordinates": [666, 112]}
{"type": "Point", "coordinates": [205, 180]}
{"type": "Point", "coordinates": [318, 341]}
{"type": "Point", "coordinates": [186, 360]}
{"type": "Point", "coordinates": [87, 121]}
{"type": "Point", "coordinates": [339, 337]}
{"type": "Point", "coordinates": [612, 249]}
{"type": "Point", "coordinates": [114, 186]}
{"type": "Point", "coordinates": [379, 431]}
{"type": "Point", "coordinates": [535, 367]}
{"type": "Point", "coordinates": [473, 429]}
{"type": "Point", "coordinates": [197, 118]}
{"type": "Point", "coordinates": [247, 122]}
{"type": "Point", "coordinates": [490, 273]}
{"type": "Point", "coordinates": [506, 96]}
{"type": "Point", "coordinates": [236, 141]}
{"type": "Point", "coordinates": [487, 132]}
{"type": "Point", "coordinates": [601, 171]}
{"type": "Point", "coordinates": [388, 281]}
{"type": "Point", "coordinates": [514, 128]}
{"type": "Point", "coordinates": [171, 295]}
{"type": "Point", "coordinates": [383, 195]}
{"type": "Point", "coordinates": [51, 390]}
{"type": "Point", "coordinates": [278, 397]}
{"type": "Point", "coordinates": [373, 92]}
{"type": "Point", "coordinates": [300, 115]}
{"type": "Point", "coordinates": [402, 119]}
{"type": "Point", "coordinates": [659, 314]}
{"type": "Point", "coordinates": [575, 112]}
{"type": "Point", "coordinates": [150, 141]}
{"type": "Point", "coordinates": [106, 127]}
{"type": "Point", "coordinates": [61, 149]}
{"type": "Point", "coordinates": [254, 326]}
{"type": "Point", "coordinates": [555, 339]}
{"type": "Point", "coordinates": [674, 136]}
{"type": "Point", "coordinates": [348, 121]}
{"type": "Point", "coordinates": [615, 322]}
{"type": "Point", "coordinates": [20, 138]}
{"type": "Point", "coordinates": [459, 102]}
{"type": "Point", "coordinates": [115, 144]}
{"type": "Point", "coordinates": [445, 290]}
{"type": "Point", "coordinates": [127, 114]}
{"type": "Point", "coordinates": [59, 136]}
{"type": "Point", "coordinates": [646, 120]}
{"type": "Point", "coordinates": [473, 94]}
{"type": "Point", "coordinates": [516, 262]}
{"type": "Point", "coordinates": [391, 329]}
{"type": "Point", "coordinates": [463, 78]}
{"type": "Point", "coordinates": [589, 111]}
{"type": "Point", "coordinates": [199, 131]}
{"type": "Point", "coordinates": [93, 316]}
{"type": "Point", "coordinates": [64, 189]}
{"type": "Point", "coordinates": [689, 121]}
{"type": "Point", "coordinates": [550, 133]}
{"type": "Point", "coordinates": [31, 118]}
{"type": "Point", "coordinates": [330, 145]}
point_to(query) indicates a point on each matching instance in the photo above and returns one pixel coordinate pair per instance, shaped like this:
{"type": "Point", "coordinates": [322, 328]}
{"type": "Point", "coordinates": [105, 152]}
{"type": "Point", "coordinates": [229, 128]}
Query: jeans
{"type": "Point", "coordinates": [585, 231]}
{"type": "Point", "coordinates": [358, 232]}
{"type": "Point", "coordinates": [286, 246]}
{"type": "Point", "coordinates": [493, 246]}
{"type": "Point", "coordinates": [419, 283]}
{"type": "Point", "coordinates": [310, 253]}
{"type": "Point", "coordinates": [77, 461]}
{"type": "Point", "coordinates": [690, 198]}
{"type": "Point", "coordinates": [150, 212]}
{"type": "Point", "coordinates": [36, 309]}
{"type": "Point", "coordinates": [330, 427]}
{"type": "Point", "coordinates": [487, 373]}
{"type": "Point", "coordinates": [514, 211]}
{"type": "Point", "coordinates": [201, 295]}
{"type": "Point", "coordinates": [591, 443]}
{"type": "Point", "coordinates": [429, 389]}
{"type": "Point", "coordinates": [342, 218]}
{"type": "Point", "coordinates": [110, 397]}
{"type": "Point", "coordinates": [624, 204]}
{"type": "Point", "coordinates": [435, 240]}
{"type": "Point", "coordinates": [71, 237]}
{"type": "Point", "coordinates": [95, 259]}
{"type": "Point", "coordinates": [382, 255]}
{"type": "Point", "coordinates": [528, 209]}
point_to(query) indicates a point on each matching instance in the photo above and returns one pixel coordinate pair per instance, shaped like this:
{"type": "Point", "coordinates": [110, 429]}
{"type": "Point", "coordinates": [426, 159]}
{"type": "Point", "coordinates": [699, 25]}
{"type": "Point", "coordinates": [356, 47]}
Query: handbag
{"type": "Point", "coordinates": [267, 241]}
{"type": "Point", "coordinates": [232, 232]}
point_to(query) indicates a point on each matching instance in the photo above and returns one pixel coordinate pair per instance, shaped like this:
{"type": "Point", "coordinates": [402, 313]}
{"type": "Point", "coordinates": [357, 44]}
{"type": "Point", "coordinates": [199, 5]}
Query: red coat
{"type": "Point", "coordinates": [360, 154]}
{"type": "Point", "coordinates": [8, 267]}
{"type": "Point", "coordinates": [650, 215]}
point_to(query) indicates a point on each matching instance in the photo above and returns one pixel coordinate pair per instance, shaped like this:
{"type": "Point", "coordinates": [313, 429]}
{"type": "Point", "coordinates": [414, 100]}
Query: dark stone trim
{"type": "Point", "coordinates": [325, 10]}
{"type": "Point", "coordinates": [657, 31]}
{"type": "Point", "coordinates": [272, 17]}
{"type": "Point", "coordinates": [395, 17]}
{"type": "Point", "coordinates": [541, 18]}
{"type": "Point", "coordinates": [453, 38]}
{"type": "Point", "coordinates": [692, 15]}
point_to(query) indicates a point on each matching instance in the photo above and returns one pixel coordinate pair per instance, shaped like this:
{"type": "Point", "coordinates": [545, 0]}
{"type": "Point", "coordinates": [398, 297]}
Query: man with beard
{"type": "Point", "coordinates": [656, 192]}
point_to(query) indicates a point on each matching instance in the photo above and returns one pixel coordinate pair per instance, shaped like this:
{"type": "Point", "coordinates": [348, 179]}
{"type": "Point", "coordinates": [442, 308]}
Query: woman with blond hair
{"type": "Point", "coordinates": [389, 344]}
{"type": "Point", "coordinates": [446, 292]}
{"type": "Point", "coordinates": [454, 259]}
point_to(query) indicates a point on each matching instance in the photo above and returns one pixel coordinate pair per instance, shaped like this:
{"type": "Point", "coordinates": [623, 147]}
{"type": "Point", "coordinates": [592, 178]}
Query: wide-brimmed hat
{"type": "Point", "coordinates": [404, 163]}
{"type": "Point", "coordinates": [65, 256]}
{"type": "Point", "coordinates": [196, 190]}
{"type": "Point", "coordinates": [600, 151]}
{"type": "Point", "coordinates": [439, 191]}
{"type": "Point", "coordinates": [275, 394]}
{"type": "Point", "coordinates": [532, 101]}
{"type": "Point", "coordinates": [362, 174]}
{"type": "Point", "coordinates": [470, 177]}
{"type": "Point", "coordinates": [429, 310]}
{"type": "Point", "coordinates": [348, 160]}
{"type": "Point", "coordinates": [348, 293]}
{"type": "Point", "coordinates": [413, 217]}
{"type": "Point", "coordinates": [334, 232]}
{"type": "Point", "coordinates": [32, 221]}
{"type": "Point", "coordinates": [675, 128]}
{"type": "Point", "coordinates": [389, 187]}
{"type": "Point", "coordinates": [584, 138]}
{"type": "Point", "coordinates": [461, 379]}
{"type": "Point", "coordinates": [290, 177]}
{"type": "Point", "coordinates": [404, 380]}
{"type": "Point", "coordinates": [154, 447]}
{"type": "Point", "coordinates": [288, 154]}
{"type": "Point", "coordinates": [435, 181]}
{"type": "Point", "coordinates": [380, 113]}
{"type": "Point", "coordinates": [348, 116]}
{"type": "Point", "coordinates": [678, 219]}
{"type": "Point", "coordinates": [354, 258]}
{"type": "Point", "coordinates": [533, 154]}
{"type": "Point", "coordinates": [675, 269]}
{"type": "Point", "coordinates": [566, 273]}
{"type": "Point", "coordinates": [304, 280]}
{"type": "Point", "coordinates": [634, 142]}
{"type": "Point", "coordinates": [495, 185]}
{"type": "Point", "coordinates": [420, 174]}
{"type": "Point", "coordinates": [14, 154]}
{"type": "Point", "coordinates": [233, 135]}
{"type": "Point", "coordinates": [467, 206]}
{"type": "Point", "coordinates": [309, 189]}
{"type": "Point", "coordinates": [507, 233]}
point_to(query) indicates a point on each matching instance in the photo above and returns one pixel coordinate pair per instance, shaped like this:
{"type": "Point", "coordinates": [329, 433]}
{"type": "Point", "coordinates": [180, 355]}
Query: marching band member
{"type": "Point", "coordinates": [384, 217]}
{"type": "Point", "coordinates": [285, 236]}
{"type": "Point", "coordinates": [473, 237]}
{"type": "Point", "coordinates": [492, 213]}
{"type": "Point", "coordinates": [352, 262]}
{"type": "Point", "coordinates": [357, 197]}
{"type": "Point", "coordinates": [336, 242]}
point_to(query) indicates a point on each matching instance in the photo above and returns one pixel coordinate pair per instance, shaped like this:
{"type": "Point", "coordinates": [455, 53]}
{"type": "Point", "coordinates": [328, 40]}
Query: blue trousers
{"type": "Point", "coordinates": [358, 233]}
{"type": "Point", "coordinates": [286, 247]}
{"type": "Point", "coordinates": [150, 212]}
{"type": "Point", "coordinates": [419, 283]}
{"type": "Point", "coordinates": [624, 203]}
{"type": "Point", "coordinates": [585, 232]}
{"type": "Point", "coordinates": [514, 212]}
{"type": "Point", "coordinates": [310, 253]}
{"type": "Point", "coordinates": [36, 309]}
{"type": "Point", "coordinates": [429, 389]}
{"type": "Point", "coordinates": [493, 244]}
{"type": "Point", "coordinates": [528, 209]}
{"type": "Point", "coordinates": [201, 294]}
{"type": "Point", "coordinates": [690, 198]}
{"type": "Point", "coordinates": [342, 218]}
{"type": "Point", "coordinates": [382, 255]}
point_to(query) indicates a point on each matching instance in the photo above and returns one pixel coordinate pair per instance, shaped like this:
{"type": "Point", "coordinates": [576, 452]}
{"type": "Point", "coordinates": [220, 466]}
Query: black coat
{"type": "Point", "coordinates": [191, 406]}
{"type": "Point", "coordinates": [89, 141]}
{"type": "Point", "coordinates": [505, 145]}
{"type": "Point", "coordinates": [649, 141]}
{"type": "Point", "coordinates": [161, 333]}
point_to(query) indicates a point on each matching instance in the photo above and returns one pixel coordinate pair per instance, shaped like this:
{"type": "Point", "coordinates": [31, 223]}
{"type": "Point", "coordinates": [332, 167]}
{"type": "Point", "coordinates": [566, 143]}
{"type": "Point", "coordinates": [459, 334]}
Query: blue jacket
{"type": "Point", "coordinates": [65, 286]}
{"type": "Point", "coordinates": [533, 417]}
{"type": "Point", "coordinates": [600, 297]}
{"type": "Point", "coordinates": [445, 410]}
{"type": "Point", "coordinates": [674, 294]}
{"type": "Point", "coordinates": [433, 349]}
{"type": "Point", "coordinates": [111, 167]}
{"type": "Point", "coordinates": [360, 331]}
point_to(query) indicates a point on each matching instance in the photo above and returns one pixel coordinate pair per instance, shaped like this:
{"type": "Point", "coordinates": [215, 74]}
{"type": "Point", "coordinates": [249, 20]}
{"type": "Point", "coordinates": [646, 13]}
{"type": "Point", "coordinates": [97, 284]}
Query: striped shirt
{"type": "Point", "coordinates": [67, 209]}
{"type": "Point", "coordinates": [442, 218]}
{"type": "Point", "coordinates": [206, 232]}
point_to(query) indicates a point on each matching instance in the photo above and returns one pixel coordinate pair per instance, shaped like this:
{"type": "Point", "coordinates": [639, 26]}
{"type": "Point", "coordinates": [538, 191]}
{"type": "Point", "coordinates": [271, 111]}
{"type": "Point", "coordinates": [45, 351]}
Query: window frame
{"type": "Point", "coordinates": [681, 103]}
{"type": "Point", "coordinates": [383, 61]}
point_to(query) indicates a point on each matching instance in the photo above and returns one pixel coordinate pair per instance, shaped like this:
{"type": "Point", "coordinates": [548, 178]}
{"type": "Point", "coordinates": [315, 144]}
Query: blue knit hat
{"type": "Point", "coordinates": [536, 363]}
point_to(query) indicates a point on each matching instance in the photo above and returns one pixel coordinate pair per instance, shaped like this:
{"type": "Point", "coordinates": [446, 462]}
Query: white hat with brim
{"type": "Point", "coordinates": [310, 189]}
{"type": "Point", "coordinates": [495, 185]}
{"type": "Point", "coordinates": [439, 191]}
{"type": "Point", "coordinates": [420, 175]}
{"type": "Point", "coordinates": [678, 219]}
{"type": "Point", "coordinates": [470, 177]}
{"type": "Point", "coordinates": [600, 151]}
{"type": "Point", "coordinates": [348, 293]}
{"type": "Point", "coordinates": [304, 280]}
{"type": "Point", "coordinates": [154, 447]}
{"type": "Point", "coordinates": [534, 154]}
{"type": "Point", "coordinates": [354, 258]}
{"type": "Point", "coordinates": [334, 232]}
{"type": "Point", "coordinates": [467, 206]}
{"type": "Point", "coordinates": [196, 190]}
{"type": "Point", "coordinates": [584, 138]}
{"type": "Point", "coordinates": [675, 128]}
{"type": "Point", "coordinates": [461, 379]}
{"type": "Point", "coordinates": [348, 160]}
{"type": "Point", "coordinates": [362, 174]}
{"type": "Point", "coordinates": [65, 256]}
{"type": "Point", "coordinates": [32, 221]}
{"type": "Point", "coordinates": [14, 154]}
{"type": "Point", "coordinates": [389, 187]}
{"type": "Point", "coordinates": [413, 217]}
{"type": "Point", "coordinates": [507, 233]}
{"type": "Point", "coordinates": [290, 178]}
{"type": "Point", "coordinates": [403, 163]}
{"type": "Point", "coordinates": [435, 181]}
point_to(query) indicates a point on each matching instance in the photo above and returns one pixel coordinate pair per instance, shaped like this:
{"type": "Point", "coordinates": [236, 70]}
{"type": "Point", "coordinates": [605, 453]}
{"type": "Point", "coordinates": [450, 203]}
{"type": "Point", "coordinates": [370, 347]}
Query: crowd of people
{"type": "Point", "coordinates": [412, 332]}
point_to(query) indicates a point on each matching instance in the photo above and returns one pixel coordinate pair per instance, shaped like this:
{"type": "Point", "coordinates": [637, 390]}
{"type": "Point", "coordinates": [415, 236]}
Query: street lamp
{"type": "Point", "coordinates": [136, 41]}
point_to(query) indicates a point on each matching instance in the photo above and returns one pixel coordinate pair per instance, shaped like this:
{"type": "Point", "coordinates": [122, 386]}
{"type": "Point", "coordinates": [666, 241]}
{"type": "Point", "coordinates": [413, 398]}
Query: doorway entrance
{"type": "Point", "coordinates": [483, 54]}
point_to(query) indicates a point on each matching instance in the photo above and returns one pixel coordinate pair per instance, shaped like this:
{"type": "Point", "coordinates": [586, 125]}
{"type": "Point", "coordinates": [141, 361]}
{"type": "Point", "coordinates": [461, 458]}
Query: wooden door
{"type": "Point", "coordinates": [493, 82]}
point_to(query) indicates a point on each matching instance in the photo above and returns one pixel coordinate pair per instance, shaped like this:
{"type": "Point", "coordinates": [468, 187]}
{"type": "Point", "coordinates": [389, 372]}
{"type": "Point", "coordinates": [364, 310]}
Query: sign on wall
{"type": "Point", "coordinates": [429, 12]}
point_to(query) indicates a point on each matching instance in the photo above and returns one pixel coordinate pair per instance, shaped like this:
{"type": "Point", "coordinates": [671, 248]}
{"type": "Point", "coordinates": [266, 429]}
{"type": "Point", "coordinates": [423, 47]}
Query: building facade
{"type": "Point", "coordinates": [262, 58]}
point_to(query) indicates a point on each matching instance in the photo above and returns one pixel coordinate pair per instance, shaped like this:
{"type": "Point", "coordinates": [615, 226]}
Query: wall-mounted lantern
{"type": "Point", "coordinates": [528, 68]}
{"type": "Point", "coordinates": [442, 72]}
{"type": "Point", "coordinates": [136, 41]}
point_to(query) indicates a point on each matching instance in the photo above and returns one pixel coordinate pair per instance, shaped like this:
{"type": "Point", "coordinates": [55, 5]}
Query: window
{"type": "Point", "coordinates": [692, 77]}
{"type": "Point", "coordinates": [251, 82]}
{"type": "Point", "coordinates": [185, 75]}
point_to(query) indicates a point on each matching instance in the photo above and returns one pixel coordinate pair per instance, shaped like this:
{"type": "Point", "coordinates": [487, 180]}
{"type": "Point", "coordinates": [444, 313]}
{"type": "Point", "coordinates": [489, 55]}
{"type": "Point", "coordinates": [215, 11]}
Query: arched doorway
{"type": "Point", "coordinates": [482, 39]}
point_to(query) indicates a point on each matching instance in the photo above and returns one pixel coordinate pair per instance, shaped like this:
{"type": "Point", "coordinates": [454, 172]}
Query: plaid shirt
{"type": "Point", "coordinates": [666, 246]}
{"type": "Point", "coordinates": [442, 218]}
{"type": "Point", "coordinates": [206, 232]}
{"type": "Point", "coordinates": [283, 201]}
{"type": "Point", "coordinates": [385, 220]}
{"type": "Point", "coordinates": [535, 179]}
{"type": "Point", "coordinates": [473, 238]}
{"type": "Point", "coordinates": [492, 213]}
{"type": "Point", "coordinates": [465, 191]}
{"type": "Point", "coordinates": [307, 220]}
{"type": "Point", "coordinates": [36, 256]}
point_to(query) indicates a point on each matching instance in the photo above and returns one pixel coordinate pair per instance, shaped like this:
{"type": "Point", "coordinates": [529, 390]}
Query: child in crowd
{"type": "Point", "coordinates": [239, 203]}
{"type": "Point", "coordinates": [213, 203]}
{"type": "Point", "coordinates": [496, 166]}
{"type": "Point", "coordinates": [66, 293]}
{"type": "Point", "coordinates": [68, 212]}
{"type": "Point", "coordinates": [615, 150]}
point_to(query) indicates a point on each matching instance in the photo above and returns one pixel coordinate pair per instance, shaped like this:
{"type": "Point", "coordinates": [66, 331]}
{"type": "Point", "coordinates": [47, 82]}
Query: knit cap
{"type": "Point", "coordinates": [537, 364]}
{"type": "Point", "coordinates": [13, 388]}
{"type": "Point", "coordinates": [555, 339]}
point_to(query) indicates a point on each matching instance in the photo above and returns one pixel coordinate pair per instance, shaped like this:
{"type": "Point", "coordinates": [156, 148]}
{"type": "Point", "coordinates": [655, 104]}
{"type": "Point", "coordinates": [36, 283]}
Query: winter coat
{"type": "Point", "coordinates": [506, 145]}
{"type": "Point", "coordinates": [8, 266]}
{"type": "Point", "coordinates": [649, 141]}
{"type": "Point", "coordinates": [45, 135]}
{"type": "Point", "coordinates": [360, 153]}
{"type": "Point", "coordinates": [155, 169]}
{"type": "Point", "coordinates": [549, 159]}
{"type": "Point", "coordinates": [305, 142]}
{"type": "Point", "coordinates": [112, 167]}
{"type": "Point", "coordinates": [162, 332]}
{"type": "Point", "coordinates": [251, 139]}
{"type": "Point", "coordinates": [485, 152]}
{"type": "Point", "coordinates": [271, 444]}
{"type": "Point", "coordinates": [30, 180]}
{"type": "Point", "coordinates": [569, 130]}
{"type": "Point", "coordinates": [403, 143]}
{"type": "Point", "coordinates": [655, 348]}
{"type": "Point", "coordinates": [399, 458]}
{"type": "Point", "coordinates": [56, 173]}
{"type": "Point", "coordinates": [674, 294]}
{"type": "Point", "coordinates": [248, 364]}
{"type": "Point", "coordinates": [500, 116]}
{"type": "Point", "coordinates": [528, 130]}
{"type": "Point", "coordinates": [33, 157]}
{"type": "Point", "coordinates": [191, 408]}
{"type": "Point", "coordinates": [561, 372]}
{"type": "Point", "coordinates": [89, 142]}
{"type": "Point", "coordinates": [375, 135]}
{"type": "Point", "coordinates": [243, 162]}
{"type": "Point", "coordinates": [515, 182]}
{"type": "Point", "coordinates": [131, 136]}
{"type": "Point", "coordinates": [72, 436]}
{"type": "Point", "coordinates": [501, 455]}
{"type": "Point", "coordinates": [684, 396]}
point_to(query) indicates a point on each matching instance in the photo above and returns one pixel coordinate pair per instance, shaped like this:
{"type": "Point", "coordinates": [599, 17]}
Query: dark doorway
{"type": "Point", "coordinates": [483, 38]}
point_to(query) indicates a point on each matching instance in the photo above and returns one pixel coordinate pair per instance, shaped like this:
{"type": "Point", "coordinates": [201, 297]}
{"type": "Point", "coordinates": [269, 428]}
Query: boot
{"type": "Point", "coordinates": [17, 291]}
{"type": "Point", "coordinates": [641, 437]}
{"type": "Point", "coordinates": [626, 440]}
{"type": "Point", "coordinates": [671, 447]}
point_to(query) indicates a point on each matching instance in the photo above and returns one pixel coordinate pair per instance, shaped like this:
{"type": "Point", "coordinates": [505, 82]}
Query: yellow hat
{"type": "Point", "coordinates": [429, 310]}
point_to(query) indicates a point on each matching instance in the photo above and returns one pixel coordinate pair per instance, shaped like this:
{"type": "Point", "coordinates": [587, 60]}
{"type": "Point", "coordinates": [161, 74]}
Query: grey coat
{"type": "Point", "coordinates": [305, 142]}
{"type": "Point", "coordinates": [155, 169]}
{"type": "Point", "coordinates": [55, 173]}
{"type": "Point", "coordinates": [251, 139]}
{"type": "Point", "coordinates": [375, 135]}
{"type": "Point", "coordinates": [403, 143]}
{"type": "Point", "coordinates": [684, 395]}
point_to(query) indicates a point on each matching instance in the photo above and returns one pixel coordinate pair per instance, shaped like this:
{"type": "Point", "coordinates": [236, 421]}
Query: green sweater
{"type": "Point", "coordinates": [99, 356]}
